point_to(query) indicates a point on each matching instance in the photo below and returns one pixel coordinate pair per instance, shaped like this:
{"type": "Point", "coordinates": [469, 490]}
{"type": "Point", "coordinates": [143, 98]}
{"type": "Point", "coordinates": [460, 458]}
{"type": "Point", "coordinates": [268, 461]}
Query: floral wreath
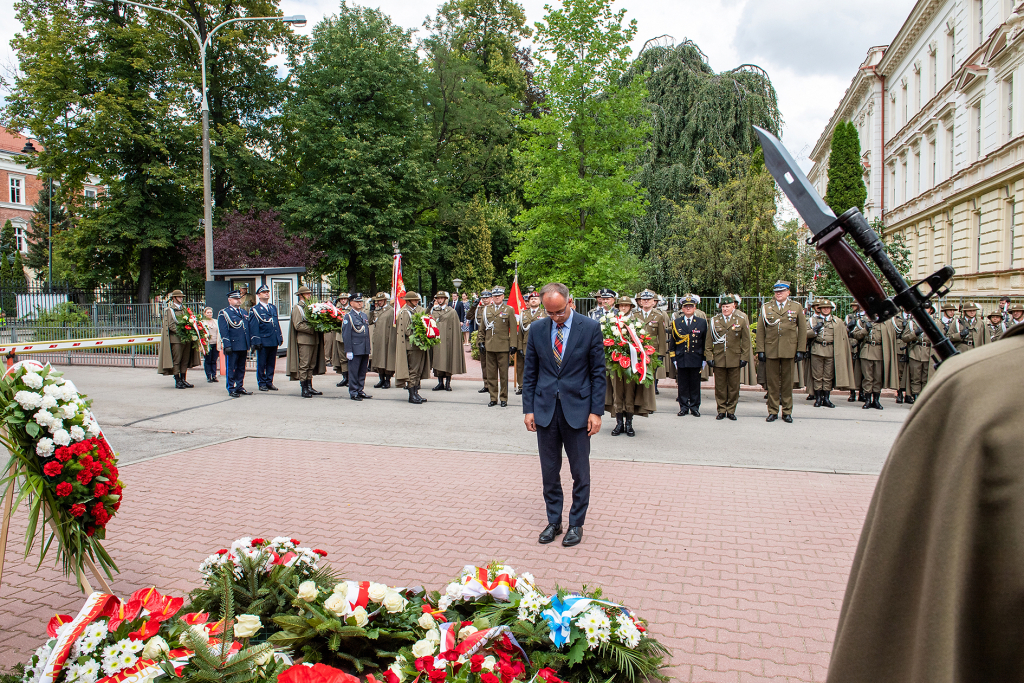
{"type": "Point", "coordinates": [629, 351]}
{"type": "Point", "coordinates": [425, 334]}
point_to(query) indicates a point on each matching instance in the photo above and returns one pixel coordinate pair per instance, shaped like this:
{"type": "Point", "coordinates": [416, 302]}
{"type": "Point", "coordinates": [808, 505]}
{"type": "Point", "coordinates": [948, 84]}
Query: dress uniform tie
{"type": "Point", "coordinates": [559, 331]}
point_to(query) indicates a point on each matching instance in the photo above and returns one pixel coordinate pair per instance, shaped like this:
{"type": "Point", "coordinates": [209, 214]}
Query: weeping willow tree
{"type": "Point", "coordinates": [699, 116]}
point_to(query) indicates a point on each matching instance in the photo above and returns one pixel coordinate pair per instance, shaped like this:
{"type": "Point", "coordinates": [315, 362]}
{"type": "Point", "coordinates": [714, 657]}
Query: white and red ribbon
{"type": "Point", "coordinates": [480, 585]}
{"type": "Point", "coordinates": [637, 355]}
{"type": "Point", "coordinates": [431, 326]}
{"type": "Point", "coordinates": [96, 605]}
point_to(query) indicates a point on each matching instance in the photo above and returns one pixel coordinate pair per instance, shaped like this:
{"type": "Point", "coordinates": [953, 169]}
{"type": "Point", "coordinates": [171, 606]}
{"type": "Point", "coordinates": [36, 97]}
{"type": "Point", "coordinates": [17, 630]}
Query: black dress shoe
{"type": "Point", "coordinates": [731, 416]}
{"type": "Point", "coordinates": [694, 412]}
{"type": "Point", "coordinates": [573, 536]}
{"type": "Point", "coordinates": [683, 411]}
{"type": "Point", "coordinates": [271, 387]}
{"type": "Point", "coordinates": [549, 533]}
{"type": "Point", "coordinates": [363, 394]}
{"type": "Point", "coordinates": [504, 404]}
{"type": "Point", "coordinates": [482, 391]}
{"type": "Point", "coordinates": [772, 418]}
{"type": "Point", "coordinates": [720, 416]}
{"type": "Point", "coordinates": [244, 392]}
{"type": "Point", "coordinates": [355, 397]}
{"type": "Point", "coordinates": [492, 404]}
{"type": "Point", "coordinates": [263, 387]}
{"type": "Point", "coordinates": [787, 419]}
{"type": "Point", "coordinates": [233, 394]}
{"type": "Point", "coordinates": [519, 392]}
{"type": "Point", "coordinates": [211, 380]}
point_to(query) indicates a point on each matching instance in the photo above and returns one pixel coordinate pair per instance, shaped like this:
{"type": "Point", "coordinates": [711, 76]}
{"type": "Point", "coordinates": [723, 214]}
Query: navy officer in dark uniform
{"type": "Point", "coordinates": [355, 333]}
{"type": "Point", "coordinates": [265, 336]}
{"type": "Point", "coordinates": [686, 337]}
{"type": "Point", "coordinates": [233, 324]}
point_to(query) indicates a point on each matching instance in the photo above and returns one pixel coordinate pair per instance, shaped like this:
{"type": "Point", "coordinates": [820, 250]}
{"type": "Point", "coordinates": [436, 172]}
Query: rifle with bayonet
{"type": "Point", "coordinates": [827, 234]}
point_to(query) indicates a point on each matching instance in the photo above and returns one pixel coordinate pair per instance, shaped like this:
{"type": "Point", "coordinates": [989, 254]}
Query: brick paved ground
{"type": "Point", "coordinates": [741, 572]}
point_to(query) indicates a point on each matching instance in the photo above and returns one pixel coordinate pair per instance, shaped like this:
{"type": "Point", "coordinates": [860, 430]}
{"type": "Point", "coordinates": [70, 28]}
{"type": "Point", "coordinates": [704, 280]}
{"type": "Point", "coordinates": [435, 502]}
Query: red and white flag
{"type": "Point", "coordinates": [397, 286]}
{"type": "Point", "coordinates": [515, 298]}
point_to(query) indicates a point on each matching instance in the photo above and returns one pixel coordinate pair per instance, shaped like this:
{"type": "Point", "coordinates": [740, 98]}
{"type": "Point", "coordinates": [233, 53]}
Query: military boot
{"type": "Point", "coordinates": [867, 400]}
{"type": "Point", "coordinates": [910, 399]}
{"type": "Point", "coordinates": [440, 384]}
{"type": "Point", "coordinates": [899, 396]}
{"type": "Point", "coordinates": [448, 383]}
{"type": "Point", "coordinates": [826, 401]}
{"type": "Point", "coordinates": [874, 401]}
{"type": "Point", "coordinates": [413, 397]}
{"type": "Point", "coordinates": [344, 380]}
{"type": "Point", "coordinates": [656, 386]}
{"type": "Point", "coordinates": [314, 392]}
{"type": "Point", "coordinates": [817, 398]}
{"type": "Point", "coordinates": [860, 397]}
{"type": "Point", "coordinates": [812, 396]}
{"type": "Point", "coordinates": [416, 393]}
{"type": "Point", "coordinates": [629, 425]}
{"type": "Point", "coordinates": [304, 384]}
{"type": "Point", "coordinates": [381, 380]}
{"type": "Point", "coordinates": [184, 382]}
{"type": "Point", "coordinates": [177, 382]}
{"type": "Point", "coordinates": [387, 382]}
{"type": "Point", "coordinates": [853, 396]}
{"type": "Point", "coordinates": [617, 429]}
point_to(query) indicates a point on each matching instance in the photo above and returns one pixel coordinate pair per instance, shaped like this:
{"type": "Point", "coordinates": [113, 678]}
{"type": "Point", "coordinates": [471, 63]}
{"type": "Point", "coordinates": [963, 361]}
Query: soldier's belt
{"type": "Point", "coordinates": [821, 343]}
{"type": "Point", "coordinates": [874, 343]}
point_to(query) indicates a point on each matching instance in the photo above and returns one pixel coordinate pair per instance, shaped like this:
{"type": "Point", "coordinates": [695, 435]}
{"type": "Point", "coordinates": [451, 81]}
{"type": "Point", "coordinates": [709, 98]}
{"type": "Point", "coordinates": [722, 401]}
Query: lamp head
{"type": "Point", "coordinates": [29, 148]}
{"type": "Point", "coordinates": [295, 20]}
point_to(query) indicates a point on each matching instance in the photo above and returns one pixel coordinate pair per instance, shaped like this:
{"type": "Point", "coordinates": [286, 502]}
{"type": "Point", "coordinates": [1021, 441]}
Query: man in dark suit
{"type": "Point", "coordinates": [563, 400]}
{"type": "Point", "coordinates": [686, 337]}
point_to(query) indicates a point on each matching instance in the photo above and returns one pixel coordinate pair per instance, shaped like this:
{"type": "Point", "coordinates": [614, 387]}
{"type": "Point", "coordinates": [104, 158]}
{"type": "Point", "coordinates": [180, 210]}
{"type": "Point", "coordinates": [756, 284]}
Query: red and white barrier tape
{"type": "Point", "coordinates": [77, 344]}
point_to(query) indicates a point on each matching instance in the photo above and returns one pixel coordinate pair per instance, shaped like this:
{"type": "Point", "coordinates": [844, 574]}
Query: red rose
{"type": "Point", "coordinates": [549, 675]}
{"type": "Point", "coordinates": [488, 678]}
{"type": "Point", "coordinates": [77, 510]}
{"type": "Point", "coordinates": [476, 663]}
{"type": "Point", "coordinates": [64, 454]}
{"type": "Point", "coordinates": [425, 663]}
{"type": "Point", "coordinates": [64, 489]}
{"type": "Point", "coordinates": [52, 469]}
{"type": "Point", "coordinates": [624, 362]}
{"type": "Point", "coordinates": [437, 675]}
{"type": "Point", "coordinates": [84, 477]}
{"type": "Point", "coordinates": [390, 676]}
{"type": "Point", "coordinates": [608, 342]}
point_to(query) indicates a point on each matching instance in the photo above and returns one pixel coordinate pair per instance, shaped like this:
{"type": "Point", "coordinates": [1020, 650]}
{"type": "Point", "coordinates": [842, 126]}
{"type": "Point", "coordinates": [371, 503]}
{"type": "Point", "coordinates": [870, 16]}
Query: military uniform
{"type": "Point", "coordinates": [878, 359]}
{"type": "Point", "coordinates": [265, 336]}
{"type": "Point", "coordinates": [1013, 322]}
{"type": "Point", "coordinates": [656, 325]}
{"type": "Point", "coordinates": [355, 335]}
{"type": "Point", "coordinates": [623, 397]}
{"type": "Point", "coordinates": [175, 355]}
{"type": "Point", "coordinates": [382, 341]}
{"type": "Point", "coordinates": [996, 326]}
{"type": "Point", "coordinates": [600, 311]}
{"type": "Point", "coordinates": [919, 351]}
{"type": "Point", "coordinates": [687, 348]}
{"type": "Point", "coordinates": [233, 327]}
{"type": "Point", "coordinates": [526, 318]}
{"type": "Point", "coordinates": [500, 332]}
{"type": "Point", "coordinates": [248, 300]}
{"type": "Point", "coordinates": [858, 376]}
{"type": "Point", "coordinates": [831, 366]}
{"type": "Point", "coordinates": [781, 340]}
{"type": "Point", "coordinates": [968, 333]}
{"type": "Point", "coordinates": [727, 351]}
{"type": "Point", "coordinates": [899, 324]}
{"type": "Point", "coordinates": [335, 344]}
{"type": "Point", "coordinates": [478, 320]}
{"type": "Point", "coordinates": [305, 348]}
{"type": "Point", "coordinates": [411, 362]}
{"type": "Point", "coordinates": [448, 357]}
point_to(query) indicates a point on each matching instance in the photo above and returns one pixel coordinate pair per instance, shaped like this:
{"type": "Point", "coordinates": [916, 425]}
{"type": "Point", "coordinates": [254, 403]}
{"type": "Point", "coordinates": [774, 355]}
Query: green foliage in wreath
{"type": "Point", "coordinates": [419, 334]}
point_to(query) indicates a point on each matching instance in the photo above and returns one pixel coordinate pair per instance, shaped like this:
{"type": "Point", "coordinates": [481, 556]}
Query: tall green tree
{"type": "Point", "coordinates": [698, 116]}
{"type": "Point", "coordinates": [46, 212]}
{"type": "Point", "coordinates": [846, 187]}
{"type": "Point", "coordinates": [582, 154]}
{"type": "Point", "coordinates": [357, 141]}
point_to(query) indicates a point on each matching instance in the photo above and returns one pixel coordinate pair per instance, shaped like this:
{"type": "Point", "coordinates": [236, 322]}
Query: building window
{"type": "Point", "coordinates": [17, 185]}
{"type": "Point", "coordinates": [21, 235]}
{"type": "Point", "coordinates": [977, 241]}
{"type": "Point", "coordinates": [1012, 230]}
{"type": "Point", "coordinates": [90, 196]}
{"type": "Point", "coordinates": [976, 115]}
{"type": "Point", "coordinates": [933, 158]}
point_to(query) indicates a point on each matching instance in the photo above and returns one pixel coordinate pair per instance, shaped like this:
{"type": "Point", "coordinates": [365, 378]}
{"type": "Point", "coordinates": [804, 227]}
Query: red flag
{"type": "Point", "coordinates": [397, 286]}
{"type": "Point", "coordinates": [515, 298]}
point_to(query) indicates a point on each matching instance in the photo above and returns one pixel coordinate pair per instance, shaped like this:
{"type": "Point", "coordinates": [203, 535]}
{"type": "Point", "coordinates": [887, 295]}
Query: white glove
{"type": "Point", "coordinates": [349, 355]}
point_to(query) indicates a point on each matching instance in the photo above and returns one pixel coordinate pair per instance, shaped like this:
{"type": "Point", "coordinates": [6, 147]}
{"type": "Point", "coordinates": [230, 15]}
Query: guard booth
{"type": "Point", "coordinates": [283, 283]}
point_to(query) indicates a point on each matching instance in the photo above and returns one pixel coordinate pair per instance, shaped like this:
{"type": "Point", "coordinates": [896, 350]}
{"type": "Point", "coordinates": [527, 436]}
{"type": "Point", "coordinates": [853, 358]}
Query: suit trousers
{"type": "Point", "coordinates": [823, 372]}
{"type": "Point", "coordinates": [688, 380]}
{"type": "Point", "coordinates": [779, 375]}
{"type": "Point", "coordinates": [497, 375]}
{"type": "Point", "coordinates": [210, 362]}
{"type": "Point", "coordinates": [236, 368]}
{"type": "Point", "coordinates": [727, 389]}
{"type": "Point", "coordinates": [266, 362]}
{"type": "Point", "coordinates": [357, 373]}
{"type": "Point", "coordinates": [550, 441]}
{"type": "Point", "coordinates": [874, 375]}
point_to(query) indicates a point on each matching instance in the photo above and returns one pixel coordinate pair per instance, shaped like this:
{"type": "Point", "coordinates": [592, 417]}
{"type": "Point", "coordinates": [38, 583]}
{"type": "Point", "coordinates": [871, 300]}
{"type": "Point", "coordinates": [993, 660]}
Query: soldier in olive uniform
{"type": "Point", "coordinates": [411, 362]}
{"type": "Point", "coordinates": [477, 313]}
{"type": "Point", "coordinates": [919, 351]}
{"type": "Point", "coordinates": [878, 359]}
{"type": "Point", "coordinates": [831, 365]}
{"type": "Point", "coordinates": [996, 327]}
{"type": "Point", "coordinates": [532, 314]}
{"type": "Point", "coordinates": [448, 357]}
{"type": "Point", "coordinates": [656, 325]}
{"type": "Point", "coordinates": [500, 332]}
{"type": "Point", "coordinates": [727, 350]}
{"type": "Point", "coordinates": [858, 377]}
{"type": "Point", "coordinates": [781, 340]}
{"type": "Point", "coordinates": [305, 347]}
{"type": "Point", "coordinates": [335, 343]}
{"type": "Point", "coordinates": [899, 324]}
{"type": "Point", "coordinates": [626, 398]}
{"type": "Point", "coordinates": [175, 355]}
{"type": "Point", "coordinates": [248, 300]}
{"type": "Point", "coordinates": [1016, 312]}
{"type": "Point", "coordinates": [382, 341]}
{"type": "Point", "coordinates": [969, 332]}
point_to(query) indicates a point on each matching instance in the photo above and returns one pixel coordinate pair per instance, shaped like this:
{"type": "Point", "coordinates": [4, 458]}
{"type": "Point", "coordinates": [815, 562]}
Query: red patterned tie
{"type": "Point", "coordinates": [558, 344]}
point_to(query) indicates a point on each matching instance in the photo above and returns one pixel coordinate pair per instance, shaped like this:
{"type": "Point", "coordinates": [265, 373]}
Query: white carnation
{"type": "Point", "coordinates": [93, 428]}
{"type": "Point", "coordinates": [48, 402]}
{"type": "Point", "coordinates": [69, 411]}
{"type": "Point", "coordinates": [77, 433]}
{"type": "Point", "coordinates": [44, 447]}
{"type": "Point", "coordinates": [43, 418]}
{"type": "Point", "coordinates": [69, 388]}
{"type": "Point", "coordinates": [29, 400]}
{"type": "Point", "coordinates": [61, 437]}
{"type": "Point", "coordinates": [51, 390]}
{"type": "Point", "coordinates": [444, 603]}
{"type": "Point", "coordinates": [453, 591]}
{"type": "Point", "coordinates": [32, 380]}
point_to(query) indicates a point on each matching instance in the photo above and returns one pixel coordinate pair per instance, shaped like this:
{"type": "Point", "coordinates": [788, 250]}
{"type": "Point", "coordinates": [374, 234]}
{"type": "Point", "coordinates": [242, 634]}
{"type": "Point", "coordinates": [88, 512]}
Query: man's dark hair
{"type": "Point", "coordinates": [555, 288]}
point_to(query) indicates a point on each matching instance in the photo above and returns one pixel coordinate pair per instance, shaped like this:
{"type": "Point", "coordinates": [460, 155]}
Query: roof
{"type": "Point", "coordinates": [11, 141]}
{"type": "Point", "coordinates": [230, 272]}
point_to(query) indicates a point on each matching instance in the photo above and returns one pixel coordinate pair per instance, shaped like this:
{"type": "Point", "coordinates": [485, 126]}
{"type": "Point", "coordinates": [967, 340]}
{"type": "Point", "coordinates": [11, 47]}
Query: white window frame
{"type": "Point", "coordinates": [20, 234]}
{"type": "Point", "coordinates": [13, 178]}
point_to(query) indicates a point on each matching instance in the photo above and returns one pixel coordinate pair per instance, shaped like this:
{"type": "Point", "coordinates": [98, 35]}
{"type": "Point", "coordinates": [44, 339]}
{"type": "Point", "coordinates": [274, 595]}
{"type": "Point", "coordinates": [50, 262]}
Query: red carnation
{"type": "Point", "coordinates": [64, 454]}
{"type": "Point", "coordinates": [64, 489]}
{"type": "Point", "coordinates": [222, 551]}
{"type": "Point", "coordinates": [295, 541]}
{"type": "Point", "coordinates": [99, 490]}
{"type": "Point", "coordinates": [321, 553]}
{"type": "Point", "coordinates": [52, 469]}
{"type": "Point", "coordinates": [117, 505]}
{"type": "Point", "coordinates": [258, 541]}
{"type": "Point", "coordinates": [84, 477]}
{"type": "Point", "coordinates": [86, 461]}
{"type": "Point", "coordinates": [77, 510]}
{"type": "Point", "coordinates": [90, 531]}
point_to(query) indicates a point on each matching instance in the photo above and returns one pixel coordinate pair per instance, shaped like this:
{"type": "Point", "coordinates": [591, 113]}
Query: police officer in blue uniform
{"type": "Point", "coordinates": [355, 333]}
{"type": "Point", "coordinates": [686, 336]}
{"type": "Point", "coordinates": [233, 324]}
{"type": "Point", "coordinates": [265, 336]}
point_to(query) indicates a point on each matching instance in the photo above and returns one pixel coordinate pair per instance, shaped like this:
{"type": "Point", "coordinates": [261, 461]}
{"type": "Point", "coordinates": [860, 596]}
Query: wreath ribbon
{"type": "Point", "coordinates": [637, 355]}
{"type": "Point", "coordinates": [563, 610]}
{"type": "Point", "coordinates": [479, 585]}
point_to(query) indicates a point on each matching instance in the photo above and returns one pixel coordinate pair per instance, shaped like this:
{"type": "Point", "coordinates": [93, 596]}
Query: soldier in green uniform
{"type": "Point", "coordinates": [858, 377]}
{"type": "Point", "coordinates": [533, 313]}
{"type": "Point", "coordinates": [305, 347]}
{"type": "Point", "coordinates": [176, 355]}
{"type": "Point", "coordinates": [382, 341]}
{"type": "Point", "coordinates": [727, 350]}
{"type": "Point", "coordinates": [878, 359]}
{"type": "Point", "coordinates": [831, 364]}
{"type": "Point", "coordinates": [919, 351]}
{"type": "Point", "coordinates": [336, 343]}
{"type": "Point", "coordinates": [477, 313]}
{"type": "Point", "coordinates": [1016, 312]}
{"type": "Point", "coordinates": [968, 332]}
{"type": "Point", "coordinates": [781, 340]}
{"type": "Point", "coordinates": [447, 358]}
{"type": "Point", "coordinates": [248, 300]}
{"type": "Point", "coordinates": [656, 325]}
{"type": "Point", "coordinates": [500, 332]}
{"type": "Point", "coordinates": [411, 362]}
{"type": "Point", "coordinates": [623, 398]}
{"type": "Point", "coordinates": [996, 326]}
{"type": "Point", "coordinates": [899, 324]}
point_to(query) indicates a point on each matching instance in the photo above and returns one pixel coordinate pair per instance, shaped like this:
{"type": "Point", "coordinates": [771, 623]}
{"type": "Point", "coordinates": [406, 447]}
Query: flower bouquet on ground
{"type": "Point", "coordinates": [359, 626]}
{"type": "Point", "coordinates": [191, 329]}
{"type": "Point", "coordinates": [59, 458]}
{"type": "Point", "coordinates": [629, 352]}
{"type": "Point", "coordinates": [461, 653]}
{"type": "Point", "coordinates": [425, 334]}
{"type": "Point", "coordinates": [324, 317]}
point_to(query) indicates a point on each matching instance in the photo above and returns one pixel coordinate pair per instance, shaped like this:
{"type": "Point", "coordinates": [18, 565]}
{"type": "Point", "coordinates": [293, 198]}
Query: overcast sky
{"type": "Point", "coordinates": [810, 48]}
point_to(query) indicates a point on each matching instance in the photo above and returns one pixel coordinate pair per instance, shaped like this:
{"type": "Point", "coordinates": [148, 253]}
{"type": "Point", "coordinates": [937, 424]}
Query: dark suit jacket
{"type": "Point", "coordinates": [686, 344]}
{"type": "Point", "coordinates": [579, 383]}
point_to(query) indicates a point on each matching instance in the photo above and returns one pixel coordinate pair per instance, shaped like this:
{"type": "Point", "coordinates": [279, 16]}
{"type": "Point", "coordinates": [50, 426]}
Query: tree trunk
{"type": "Point", "coordinates": [145, 275]}
{"type": "Point", "coordinates": [351, 271]}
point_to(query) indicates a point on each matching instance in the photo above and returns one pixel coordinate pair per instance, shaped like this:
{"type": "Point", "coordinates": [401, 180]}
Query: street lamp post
{"type": "Point", "coordinates": [295, 20]}
{"type": "Point", "coordinates": [458, 283]}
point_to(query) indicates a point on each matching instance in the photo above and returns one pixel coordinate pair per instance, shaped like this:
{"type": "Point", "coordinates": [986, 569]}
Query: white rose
{"type": "Point", "coordinates": [265, 657]}
{"type": "Point", "coordinates": [341, 588]}
{"type": "Point", "coordinates": [453, 591]}
{"type": "Point", "coordinates": [423, 648]}
{"type": "Point", "coordinates": [393, 602]}
{"type": "Point", "coordinates": [489, 663]}
{"type": "Point", "coordinates": [155, 647]}
{"type": "Point", "coordinates": [44, 447]}
{"type": "Point", "coordinates": [361, 617]}
{"type": "Point", "coordinates": [337, 605]}
{"type": "Point", "coordinates": [444, 603]}
{"type": "Point", "coordinates": [467, 631]}
{"type": "Point", "coordinates": [433, 636]}
{"type": "Point", "coordinates": [308, 591]}
{"type": "Point", "coordinates": [199, 633]}
{"type": "Point", "coordinates": [377, 592]}
{"type": "Point", "coordinates": [246, 625]}
{"type": "Point", "coordinates": [426, 622]}
{"type": "Point", "coordinates": [61, 437]}
{"type": "Point", "coordinates": [396, 669]}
